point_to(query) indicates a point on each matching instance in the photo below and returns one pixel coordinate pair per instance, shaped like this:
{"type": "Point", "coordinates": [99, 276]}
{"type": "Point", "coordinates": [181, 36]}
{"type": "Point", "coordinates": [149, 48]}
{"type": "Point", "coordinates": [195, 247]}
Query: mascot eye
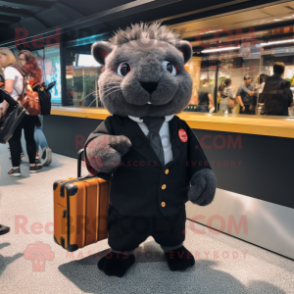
{"type": "Point", "coordinates": [123, 69]}
{"type": "Point", "coordinates": [169, 67]}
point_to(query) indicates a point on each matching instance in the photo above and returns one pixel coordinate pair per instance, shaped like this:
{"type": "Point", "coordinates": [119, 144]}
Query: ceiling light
{"type": "Point", "coordinates": [220, 49]}
{"type": "Point", "coordinates": [276, 42]}
{"type": "Point", "coordinates": [87, 60]}
{"type": "Point", "coordinates": [277, 19]}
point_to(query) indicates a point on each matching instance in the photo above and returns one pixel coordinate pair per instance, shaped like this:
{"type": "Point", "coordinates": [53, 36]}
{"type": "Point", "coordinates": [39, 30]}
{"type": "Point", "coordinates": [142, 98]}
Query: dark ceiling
{"type": "Point", "coordinates": [40, 16]}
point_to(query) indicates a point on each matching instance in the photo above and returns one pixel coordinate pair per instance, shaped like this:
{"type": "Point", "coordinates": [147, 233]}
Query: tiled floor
{"type": "Point", "coordinates": [224, 264]}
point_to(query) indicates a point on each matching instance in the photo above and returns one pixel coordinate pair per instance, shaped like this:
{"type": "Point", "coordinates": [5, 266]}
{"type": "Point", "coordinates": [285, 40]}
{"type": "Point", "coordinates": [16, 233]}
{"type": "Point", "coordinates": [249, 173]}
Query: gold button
{"type": "Point", "coordinates": [163, 204]}
{"type": "Point", "coordinates": [163, 186]}
{"type": "Point", "coordinates": [166, 171]}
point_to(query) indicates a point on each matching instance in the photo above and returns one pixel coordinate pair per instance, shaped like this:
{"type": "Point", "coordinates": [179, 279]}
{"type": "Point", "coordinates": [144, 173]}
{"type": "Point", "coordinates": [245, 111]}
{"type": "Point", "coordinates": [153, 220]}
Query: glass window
{"type": "Point", "coordinates": [49, 61]}
{"type": "Point", "coordinates": [82, 74]}
{"type": "Point", "coordinates": [233, 56]}
{"type": "Point", "coordinates": [236, 54]}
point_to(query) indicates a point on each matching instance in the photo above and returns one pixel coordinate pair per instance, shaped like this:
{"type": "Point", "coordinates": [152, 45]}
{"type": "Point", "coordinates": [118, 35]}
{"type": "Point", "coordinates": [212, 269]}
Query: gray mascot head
{"type": "Point", "coordinates": [144, 72]}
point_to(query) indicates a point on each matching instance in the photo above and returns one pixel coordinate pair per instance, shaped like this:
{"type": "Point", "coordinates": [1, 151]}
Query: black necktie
{"type": "Point", "coordinates": [154, 125]}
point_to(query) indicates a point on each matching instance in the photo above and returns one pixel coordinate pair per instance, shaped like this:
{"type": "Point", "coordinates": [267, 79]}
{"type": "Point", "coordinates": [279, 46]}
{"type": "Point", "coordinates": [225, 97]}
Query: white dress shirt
{"type": "Point", "coordinates": [164, 135]}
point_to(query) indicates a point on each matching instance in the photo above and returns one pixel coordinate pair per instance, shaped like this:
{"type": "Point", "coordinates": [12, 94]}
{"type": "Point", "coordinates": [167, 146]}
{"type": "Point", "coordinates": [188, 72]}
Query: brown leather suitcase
{"type": "Point", "coordinates": [80, 210]}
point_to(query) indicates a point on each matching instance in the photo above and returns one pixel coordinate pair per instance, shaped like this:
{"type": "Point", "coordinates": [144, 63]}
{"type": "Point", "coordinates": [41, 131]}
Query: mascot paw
{"type": "Point", "coordinates": [203, 186]}
{"type": "Point", "coordinates": [115, 264]}
{"type": "Point", "coordinates": [104, 153]}
{"type": "Point", "coordinates": [179, 259]}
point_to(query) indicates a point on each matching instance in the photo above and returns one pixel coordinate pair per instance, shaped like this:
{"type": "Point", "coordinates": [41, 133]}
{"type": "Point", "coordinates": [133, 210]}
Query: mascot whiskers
{"type": "Point", "coordinates": [152, 158]}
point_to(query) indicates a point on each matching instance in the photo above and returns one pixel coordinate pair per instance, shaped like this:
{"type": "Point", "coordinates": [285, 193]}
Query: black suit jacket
{"type": "Point", "coordinates": [276, 96]}
{"type": "Point", "coordinates": [137, 184]}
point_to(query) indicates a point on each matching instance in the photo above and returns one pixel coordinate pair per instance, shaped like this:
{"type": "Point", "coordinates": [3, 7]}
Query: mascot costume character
{"type": "Point", "coordinates": [152, 158]}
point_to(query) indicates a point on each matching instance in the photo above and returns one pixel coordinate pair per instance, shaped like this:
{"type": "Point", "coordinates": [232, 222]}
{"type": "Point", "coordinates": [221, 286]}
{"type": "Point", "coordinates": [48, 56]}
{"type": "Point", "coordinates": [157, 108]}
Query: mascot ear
{"type": "Point", "coordinates": [186, 48]}
{"type": "Point", "coordinates": [100, 50]}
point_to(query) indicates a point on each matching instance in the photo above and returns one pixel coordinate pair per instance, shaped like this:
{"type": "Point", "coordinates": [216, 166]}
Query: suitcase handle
{"type": "Point", "coordinates": [101, 175]}
{"type": "Point", "coordinates": [80, 155]}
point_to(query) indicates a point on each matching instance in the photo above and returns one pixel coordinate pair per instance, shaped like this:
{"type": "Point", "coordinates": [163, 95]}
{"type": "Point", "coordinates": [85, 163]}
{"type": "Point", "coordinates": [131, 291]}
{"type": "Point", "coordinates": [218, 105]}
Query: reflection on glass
{"type": "Point", "coordinates": [49, 61]}
{"type": "Point", "coordinates": [52, 72]}
{"type": "Point", "coordinates": [82, 73]}
{"type": "Point", "coordinates": [244, 51]}
{"type": "Point", "coordinates": [243, 47]}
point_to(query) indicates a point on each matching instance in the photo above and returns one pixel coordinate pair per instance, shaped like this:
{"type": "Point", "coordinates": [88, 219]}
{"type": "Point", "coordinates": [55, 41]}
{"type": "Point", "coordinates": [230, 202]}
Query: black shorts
{"type": "Point", "coordinates": [126, 233]}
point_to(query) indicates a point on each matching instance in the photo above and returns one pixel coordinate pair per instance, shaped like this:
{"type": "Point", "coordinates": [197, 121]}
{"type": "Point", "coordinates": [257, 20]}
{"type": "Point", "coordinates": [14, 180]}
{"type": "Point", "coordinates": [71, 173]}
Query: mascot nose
{"type": "Point", "coordinates": [149, 86]}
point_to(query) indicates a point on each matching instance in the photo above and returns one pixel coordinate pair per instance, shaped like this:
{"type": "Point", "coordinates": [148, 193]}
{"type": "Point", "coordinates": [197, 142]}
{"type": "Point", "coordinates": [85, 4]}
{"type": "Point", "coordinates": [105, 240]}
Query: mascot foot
{"type": "Point", "coordinates": [115, 264]}
{"type": "Point", "coordinates": [179, 259]}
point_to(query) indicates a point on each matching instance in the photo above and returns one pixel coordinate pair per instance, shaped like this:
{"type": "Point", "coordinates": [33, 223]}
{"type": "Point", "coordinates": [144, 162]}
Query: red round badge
{"type": "Point", "coordinates": [183, 135]}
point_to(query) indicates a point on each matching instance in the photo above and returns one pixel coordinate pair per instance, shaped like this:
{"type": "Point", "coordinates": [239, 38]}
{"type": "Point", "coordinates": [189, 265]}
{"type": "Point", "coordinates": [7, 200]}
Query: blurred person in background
{"type": "Point", "coordinates": [258, 88]}
{"type": "Point", "coordinates": [14, 85]}
{"type": "Point", "coordinates": [1, 86]}
{"type": "Point", "coordinates": [194, 98]}
{"type": "Point", "coordinates": [260, 83]}
{"type": "Point", "coordinates": [226, 93]}
{"type": "Point", "coordinates": [277, 95]}
{"type": "Point", "coordinates": [29, 63]}
{"type": "Point", "coordinates": [3, 229]}
{"type": "Point", "coordinates": [70, 97]}
{"type": "Point", "coordinates": [14, 70]}
{"type": "Point", "coordinates": [204, 100]}
{"type": "Point", "coordinates": [245, 97]}
{"type": "Point", "coordinates": [41, 142]}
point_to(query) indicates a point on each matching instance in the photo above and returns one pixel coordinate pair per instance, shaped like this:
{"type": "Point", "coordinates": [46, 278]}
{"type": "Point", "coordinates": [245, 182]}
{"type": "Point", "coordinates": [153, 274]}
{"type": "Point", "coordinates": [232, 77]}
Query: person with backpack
{"type": "Point", "coordinates": [15, 86]}
{"type": "Point", "coordinates": [277, 95]}
{"type": "Point", "coordinates": [27, 61]}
